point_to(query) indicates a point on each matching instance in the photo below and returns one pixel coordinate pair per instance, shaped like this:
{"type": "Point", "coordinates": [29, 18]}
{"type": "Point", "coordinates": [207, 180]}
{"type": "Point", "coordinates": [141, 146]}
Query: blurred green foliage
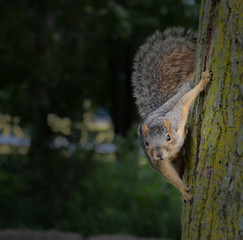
{"type": "Point", "coordinates": [54, 55]}
{"type": "Point", "coordinates": [89, 196]}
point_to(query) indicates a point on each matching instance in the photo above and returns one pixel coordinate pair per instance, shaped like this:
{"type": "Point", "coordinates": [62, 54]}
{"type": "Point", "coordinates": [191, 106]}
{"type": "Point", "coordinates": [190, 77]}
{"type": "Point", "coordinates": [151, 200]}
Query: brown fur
{"type": "Point", "coordinates": [162, 66]}
{"type": "Point", "coordinates": [162, 81]}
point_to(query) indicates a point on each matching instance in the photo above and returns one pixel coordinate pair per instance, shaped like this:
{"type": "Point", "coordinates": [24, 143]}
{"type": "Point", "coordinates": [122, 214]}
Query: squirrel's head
{"type": "Point", "coordinates": [161, 142]}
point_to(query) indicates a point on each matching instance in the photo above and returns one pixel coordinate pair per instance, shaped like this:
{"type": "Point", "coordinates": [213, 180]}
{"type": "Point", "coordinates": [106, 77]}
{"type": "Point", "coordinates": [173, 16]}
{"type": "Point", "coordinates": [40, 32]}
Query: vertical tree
{"type": "Point", "coordinates": [214, 145]}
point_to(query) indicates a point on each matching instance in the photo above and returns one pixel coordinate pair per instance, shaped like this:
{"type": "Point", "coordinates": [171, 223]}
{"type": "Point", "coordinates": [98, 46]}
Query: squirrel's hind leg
{"type": "Point", "coordinates": [188, 99]}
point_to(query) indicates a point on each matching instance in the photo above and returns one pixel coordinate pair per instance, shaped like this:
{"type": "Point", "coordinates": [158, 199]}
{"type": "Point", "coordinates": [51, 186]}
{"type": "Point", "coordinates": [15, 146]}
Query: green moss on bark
{"type": "Point", "coordinates": [213, 149]}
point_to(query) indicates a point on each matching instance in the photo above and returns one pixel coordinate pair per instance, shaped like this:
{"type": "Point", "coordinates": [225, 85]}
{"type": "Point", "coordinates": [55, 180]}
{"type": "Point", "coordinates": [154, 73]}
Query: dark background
{"type": "Point", "coordinates": [73, 58]}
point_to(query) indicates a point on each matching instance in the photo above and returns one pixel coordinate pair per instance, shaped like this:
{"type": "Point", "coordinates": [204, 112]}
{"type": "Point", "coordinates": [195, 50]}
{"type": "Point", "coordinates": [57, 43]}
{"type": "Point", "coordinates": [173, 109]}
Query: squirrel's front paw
{"type": "Point", "coordinates": [206, 77]}
{"type": "Point", "coordinates": [184, 191]}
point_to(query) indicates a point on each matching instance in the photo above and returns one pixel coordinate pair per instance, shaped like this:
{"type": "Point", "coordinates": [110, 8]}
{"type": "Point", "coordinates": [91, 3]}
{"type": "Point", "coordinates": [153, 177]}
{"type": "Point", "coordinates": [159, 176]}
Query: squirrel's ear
{"type": "Point", "coordinates": [167, 123]}
{"type": "Point", "coordinates": [144, 130]}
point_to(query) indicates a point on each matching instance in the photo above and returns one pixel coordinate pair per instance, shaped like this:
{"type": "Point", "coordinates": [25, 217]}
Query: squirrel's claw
{"type": "Point", "coordinates": [184, 191]}
{"type": "Point", "coordinates": [206, 76]}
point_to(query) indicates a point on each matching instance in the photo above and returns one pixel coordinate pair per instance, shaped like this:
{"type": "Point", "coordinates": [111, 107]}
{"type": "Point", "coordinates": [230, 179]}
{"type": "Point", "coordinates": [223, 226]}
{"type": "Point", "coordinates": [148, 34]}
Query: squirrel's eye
{"type": "Point", "coordinates": [168, 138]}
{"type": "Point", "coordinates": [146, 143]}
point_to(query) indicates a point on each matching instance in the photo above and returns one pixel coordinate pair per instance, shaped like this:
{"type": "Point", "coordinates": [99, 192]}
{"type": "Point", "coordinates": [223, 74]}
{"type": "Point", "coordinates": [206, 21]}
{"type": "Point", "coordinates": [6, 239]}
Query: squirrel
{"type": "Point", "coordinates": [162, 81]}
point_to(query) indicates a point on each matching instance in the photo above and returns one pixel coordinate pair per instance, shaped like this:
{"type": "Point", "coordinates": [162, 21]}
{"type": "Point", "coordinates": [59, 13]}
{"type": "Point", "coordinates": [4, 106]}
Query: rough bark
{"type": "Point", "coordinates": [214, 148]}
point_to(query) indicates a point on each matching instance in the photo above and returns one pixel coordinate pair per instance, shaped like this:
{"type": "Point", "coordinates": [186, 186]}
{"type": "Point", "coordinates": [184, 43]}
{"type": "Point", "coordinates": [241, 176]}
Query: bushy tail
{"type": "Point", "coordinates": [161, 66]}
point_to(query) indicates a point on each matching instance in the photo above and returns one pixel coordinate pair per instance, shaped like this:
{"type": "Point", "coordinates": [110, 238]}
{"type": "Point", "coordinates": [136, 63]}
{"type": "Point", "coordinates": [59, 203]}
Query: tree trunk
{"type": "Point", "coordinates": [213, 167]}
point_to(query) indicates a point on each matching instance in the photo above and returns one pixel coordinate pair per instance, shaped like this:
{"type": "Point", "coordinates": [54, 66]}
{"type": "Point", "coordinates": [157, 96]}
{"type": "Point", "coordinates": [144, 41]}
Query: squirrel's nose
{"type": "Point", "coordinates": [159, 156]}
